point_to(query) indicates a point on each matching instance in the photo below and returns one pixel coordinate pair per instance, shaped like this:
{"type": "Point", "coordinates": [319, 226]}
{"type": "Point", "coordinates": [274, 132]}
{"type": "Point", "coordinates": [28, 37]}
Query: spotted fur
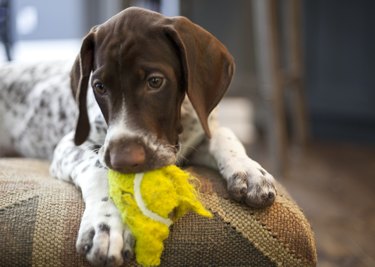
{"type": "Point", "coordinates": [38, 116]}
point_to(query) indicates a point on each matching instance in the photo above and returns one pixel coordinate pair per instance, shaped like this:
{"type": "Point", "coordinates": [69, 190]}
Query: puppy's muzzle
{"type": "Point", "coordinates": [128, 156]}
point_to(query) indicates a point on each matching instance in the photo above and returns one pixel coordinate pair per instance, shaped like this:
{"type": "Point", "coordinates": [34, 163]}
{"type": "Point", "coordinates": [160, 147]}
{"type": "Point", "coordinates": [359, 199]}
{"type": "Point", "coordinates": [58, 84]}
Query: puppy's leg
{"type": "Point", "coordinates": [102, 237]}
{"type": "Point", "coordinates": [246, 180]}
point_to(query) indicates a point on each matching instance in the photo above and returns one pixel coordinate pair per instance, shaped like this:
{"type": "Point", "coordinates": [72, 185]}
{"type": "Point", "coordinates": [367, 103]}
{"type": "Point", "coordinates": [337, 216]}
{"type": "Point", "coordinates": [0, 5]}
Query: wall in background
{"type": "Point", "coordinates": [45, 19]}
{"type": "Point", "coordinates": [339, 38]}
{"type": "Point", "coordinates": [68, 19]}
{"type": "Point", "coordinates": [340, 68]}
{"type": "Point", "coordinates": [231, 23]}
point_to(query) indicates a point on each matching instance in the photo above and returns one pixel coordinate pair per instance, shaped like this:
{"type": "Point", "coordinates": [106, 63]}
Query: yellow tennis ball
{"type": "Point", "coordinates": [149, 203]}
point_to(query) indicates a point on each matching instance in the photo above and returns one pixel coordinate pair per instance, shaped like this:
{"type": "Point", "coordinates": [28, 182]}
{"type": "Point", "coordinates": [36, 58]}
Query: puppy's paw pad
{"type": "Point", "coordinates": [103, 243]}
{"type": "Point", "coordinates": [256, 190]}
{"type": "Point", "coordinates": [261, 193]}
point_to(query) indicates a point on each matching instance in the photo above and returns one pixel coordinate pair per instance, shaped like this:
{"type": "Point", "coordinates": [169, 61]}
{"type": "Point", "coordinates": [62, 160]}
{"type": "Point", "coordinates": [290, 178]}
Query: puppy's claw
{"type": "Point", "coordinates": [129, 242]}
{"type": "Point", "coordinates": [237, 186]}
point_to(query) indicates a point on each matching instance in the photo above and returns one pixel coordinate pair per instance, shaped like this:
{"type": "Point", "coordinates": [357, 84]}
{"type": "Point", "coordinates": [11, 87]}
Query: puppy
{"type": "Point", "coordinates": [145, 85]}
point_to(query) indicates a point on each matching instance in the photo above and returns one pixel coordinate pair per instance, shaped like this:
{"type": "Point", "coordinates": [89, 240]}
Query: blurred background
{"type": "Point", "coordinates": [302, 99]}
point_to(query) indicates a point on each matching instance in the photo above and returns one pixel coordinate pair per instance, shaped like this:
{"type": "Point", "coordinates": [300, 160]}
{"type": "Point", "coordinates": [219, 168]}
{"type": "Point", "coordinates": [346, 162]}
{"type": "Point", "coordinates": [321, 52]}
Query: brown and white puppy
{"type": "Point", "coordinates": [143, 64]}
{"type": "Point", "coordinates": [145, 85]}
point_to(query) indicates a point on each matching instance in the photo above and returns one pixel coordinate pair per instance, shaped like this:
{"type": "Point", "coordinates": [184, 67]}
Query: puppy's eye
{"type": "Point", "coordinates": [155, 82]}
{"type": "Point", "coordinates": [99, 88]}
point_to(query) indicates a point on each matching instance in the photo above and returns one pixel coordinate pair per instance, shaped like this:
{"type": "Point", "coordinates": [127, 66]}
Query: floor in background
{"type": "Point", "coordinates": [335, 186]}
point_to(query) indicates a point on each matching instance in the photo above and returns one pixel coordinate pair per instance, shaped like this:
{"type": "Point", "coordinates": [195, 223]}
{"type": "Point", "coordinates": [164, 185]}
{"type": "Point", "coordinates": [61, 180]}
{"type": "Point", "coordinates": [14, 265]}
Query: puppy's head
{"type": "Point", "coordinates": [142, 65]}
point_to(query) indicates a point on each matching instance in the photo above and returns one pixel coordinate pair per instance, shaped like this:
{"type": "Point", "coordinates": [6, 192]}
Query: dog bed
{"type": "Point", "coordinates": [40, 216]}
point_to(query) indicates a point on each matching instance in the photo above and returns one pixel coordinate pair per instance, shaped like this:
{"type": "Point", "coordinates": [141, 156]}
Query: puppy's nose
{"type": "Point", "coordinates": [127, 157]}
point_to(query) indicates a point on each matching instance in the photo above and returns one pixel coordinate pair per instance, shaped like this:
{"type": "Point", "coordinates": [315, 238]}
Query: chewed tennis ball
{"type": "Point", "coordinates": [149, 203]}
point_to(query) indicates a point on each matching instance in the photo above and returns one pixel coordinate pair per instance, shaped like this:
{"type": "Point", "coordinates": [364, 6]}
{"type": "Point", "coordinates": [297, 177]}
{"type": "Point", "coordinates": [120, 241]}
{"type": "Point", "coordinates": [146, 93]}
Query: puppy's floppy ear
{"type": "Point", "coordinates": [208, 66]}
{"type": "Point", "coordinates": [79, 78]}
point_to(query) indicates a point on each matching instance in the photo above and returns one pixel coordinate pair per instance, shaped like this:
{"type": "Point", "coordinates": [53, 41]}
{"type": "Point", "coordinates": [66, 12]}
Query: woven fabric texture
{"type": "Point", "coordinates": [40, 216]}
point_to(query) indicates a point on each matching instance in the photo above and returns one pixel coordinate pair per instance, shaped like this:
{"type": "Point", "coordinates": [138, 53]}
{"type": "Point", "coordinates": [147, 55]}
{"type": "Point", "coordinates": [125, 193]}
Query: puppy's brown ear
{"type": "Point", "coordinates": [208, 66]}
{"type": "Point", "coordinates": [79, 78]}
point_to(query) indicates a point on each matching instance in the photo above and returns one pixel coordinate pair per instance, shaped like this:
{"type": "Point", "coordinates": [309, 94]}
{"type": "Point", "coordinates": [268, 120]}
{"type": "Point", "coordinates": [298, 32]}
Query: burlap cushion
{"type": "Point", "coordinates": [40, 216]}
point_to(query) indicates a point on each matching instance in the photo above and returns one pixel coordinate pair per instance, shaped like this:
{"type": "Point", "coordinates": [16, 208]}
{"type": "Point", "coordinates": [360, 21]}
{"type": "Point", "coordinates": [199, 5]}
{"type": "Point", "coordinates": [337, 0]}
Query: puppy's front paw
{"type": "Point", "coordinates": [255, 187]}
{"type": "Point", "coordinates": [102, 237]}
